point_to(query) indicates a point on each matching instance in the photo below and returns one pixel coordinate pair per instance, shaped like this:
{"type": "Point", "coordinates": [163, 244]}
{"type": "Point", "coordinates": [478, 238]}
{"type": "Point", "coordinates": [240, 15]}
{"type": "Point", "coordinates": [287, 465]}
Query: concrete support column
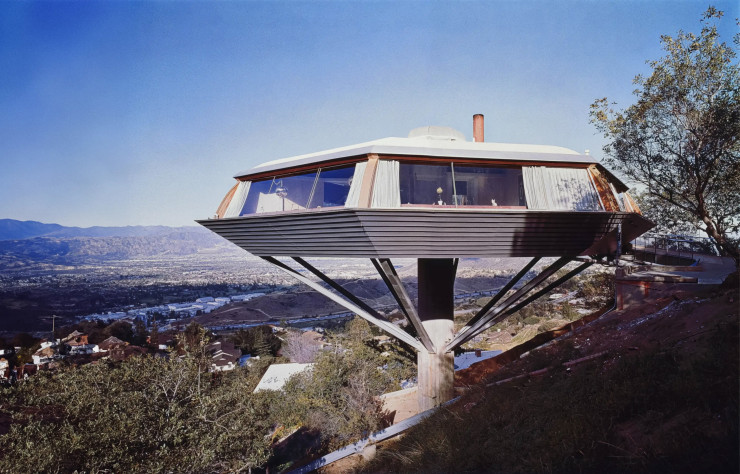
{"type": "Point", "coordinates": [436, 371]}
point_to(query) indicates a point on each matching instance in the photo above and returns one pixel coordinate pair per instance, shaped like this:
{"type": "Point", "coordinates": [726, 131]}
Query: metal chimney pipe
{"type": "Point", "coordinates": [478, 127]}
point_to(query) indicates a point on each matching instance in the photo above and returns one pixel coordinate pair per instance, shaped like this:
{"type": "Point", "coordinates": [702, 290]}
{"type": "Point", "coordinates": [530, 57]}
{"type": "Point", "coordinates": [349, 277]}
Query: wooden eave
{"type": "Point", "coordinates": [294, 170]}
{"type": "Point", "coordinates": [502, 163]}
{"type": "Point", "coordinates": [618, 184]}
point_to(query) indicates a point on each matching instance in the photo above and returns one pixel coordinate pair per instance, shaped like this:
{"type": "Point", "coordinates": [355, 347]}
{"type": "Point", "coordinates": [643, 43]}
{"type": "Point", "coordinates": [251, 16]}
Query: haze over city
{"type": "Point", "coordinates": [119, 113]}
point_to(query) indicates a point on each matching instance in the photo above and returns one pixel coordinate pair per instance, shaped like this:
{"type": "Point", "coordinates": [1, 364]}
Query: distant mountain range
{"type": "Point", "coordinates": [11, 229]}
{"type": "Point", "coordinates": [26, 242]}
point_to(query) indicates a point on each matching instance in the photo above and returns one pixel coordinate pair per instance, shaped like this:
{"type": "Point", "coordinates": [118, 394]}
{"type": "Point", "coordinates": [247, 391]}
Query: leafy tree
{"type": "Point", "coordinates": [96, 334]}
{"type": "Point", "coordinates": [154, 335]}
{"type": "Point", "coordinates": [257, 339]}
{"type": "Point", "coordinates": [140, 333]}
{"type": "Point", "coordinates": [681, 139]}
{"type": "Point", "coordinates": [143, 415]}
{"type": "Point", "coordinates": [261, 348]}
{"type": "Point", "coordinates": [28, 345]}
{"type": "Point", "coordinates": [25, 355]}
{"type": "Point", "coordinates": [122, 330]}
{"type": "Point", "coordinates": [193, 341]}
{"type": "Point", "coordinates": [338, 396]}
{"type": "Point", "coordinates": [300, 348]}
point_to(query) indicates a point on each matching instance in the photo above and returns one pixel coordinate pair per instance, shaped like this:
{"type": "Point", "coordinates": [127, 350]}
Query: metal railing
{"type": "Point", "coordinates": [680, 247]}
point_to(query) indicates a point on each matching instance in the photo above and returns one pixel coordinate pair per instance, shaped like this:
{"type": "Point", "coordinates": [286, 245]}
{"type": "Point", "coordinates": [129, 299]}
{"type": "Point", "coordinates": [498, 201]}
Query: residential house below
{"type": "Point", "coordinates": [76, 343]}
{"type": "Point", "coordinates": [277, 375]}
{"type": "Point", "coordinates": [111, 343]}
{"type": "Point", "coordinates": [224, 355]}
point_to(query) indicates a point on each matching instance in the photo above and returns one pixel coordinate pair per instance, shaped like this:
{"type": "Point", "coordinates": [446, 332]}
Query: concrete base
{"type": "Point", "coordinates": [436, 371]}
{"type": "Point", "coordinates": [436, 379]}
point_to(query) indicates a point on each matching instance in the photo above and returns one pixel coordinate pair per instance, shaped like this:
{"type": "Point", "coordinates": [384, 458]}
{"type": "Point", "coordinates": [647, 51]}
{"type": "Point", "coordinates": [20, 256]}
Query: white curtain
{"type": "Point", "coordinates": [353, 198]}
{"type": "Point", "coordinates": [559, 189]}
{"type": "Point", "coordinates": [387, 185]}
{"type": "Point", "coordinates": [237, 200]}
{"type": "Point", "coordinates": [535, 187]}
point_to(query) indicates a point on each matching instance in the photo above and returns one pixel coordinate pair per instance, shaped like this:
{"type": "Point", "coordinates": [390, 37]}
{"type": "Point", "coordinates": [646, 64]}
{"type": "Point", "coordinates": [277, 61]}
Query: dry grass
{"type": "Point", "coordinates": [655, 412]}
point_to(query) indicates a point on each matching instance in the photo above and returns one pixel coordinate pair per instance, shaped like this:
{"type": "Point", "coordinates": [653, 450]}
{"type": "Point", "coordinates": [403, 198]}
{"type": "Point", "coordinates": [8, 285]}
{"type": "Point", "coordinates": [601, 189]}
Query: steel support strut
{"type": "Point", "coordinates": [337, 287]}
{"type": "Point", "coordinates": [501, 293]}
{"type": "Point", "coordinates": [539, 293]}
{"type": "Point", "coordinates": [361, 309]}
{"type": "Point", "coordinates": [473, 330]}
{"type": "Point", "coordinates": [395, 286]}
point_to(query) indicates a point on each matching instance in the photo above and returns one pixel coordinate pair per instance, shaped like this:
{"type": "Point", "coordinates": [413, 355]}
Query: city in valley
{"type": "Point", "coordinates": [139, 281]}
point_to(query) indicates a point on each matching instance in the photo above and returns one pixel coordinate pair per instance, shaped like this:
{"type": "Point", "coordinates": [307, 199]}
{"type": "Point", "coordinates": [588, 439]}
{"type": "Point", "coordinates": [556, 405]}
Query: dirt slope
{"type": "Point", "coordinates": [652, 388]}
{"type": "Point", "coordinates": [683, 320]}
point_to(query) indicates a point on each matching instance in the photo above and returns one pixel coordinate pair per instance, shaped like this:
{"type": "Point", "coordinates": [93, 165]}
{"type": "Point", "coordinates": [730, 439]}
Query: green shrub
{"type": "Point", "coordinates": [338, 396]}
{"type": "Point", "coordinates": [549, 326]}
{"type": "Point", "coordinates": [143, 415]}
{"type": "Point", "coordinates": [531, 320]}
{"type": "Point", "coordinates": [567, 311]}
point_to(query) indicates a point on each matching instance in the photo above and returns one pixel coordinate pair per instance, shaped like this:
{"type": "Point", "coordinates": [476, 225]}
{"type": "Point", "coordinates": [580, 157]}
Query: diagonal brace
{"type": "Point", "coordinates": [339, 288]}
{"type": "Point", "coordinates": [502, 292]}
{"type": "Point", "coordinates": [549, 287]}
{"type": "Point", "coordinates": [354, 299]}
{"type": "Point", "coordinates": [539, 293]}
{"type": "Point", "coordinates": [471, 331]}
{"type": "Point", "coordinates": [370, 316]}
{"type": "Point", "coordinates": [393, 282]}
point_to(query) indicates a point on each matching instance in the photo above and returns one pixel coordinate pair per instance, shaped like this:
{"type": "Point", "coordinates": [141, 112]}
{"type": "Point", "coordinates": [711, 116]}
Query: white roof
{"type": "Point", "coordinates": [278, 374]}
{"type": "Point", "coordinates": [434, 145]}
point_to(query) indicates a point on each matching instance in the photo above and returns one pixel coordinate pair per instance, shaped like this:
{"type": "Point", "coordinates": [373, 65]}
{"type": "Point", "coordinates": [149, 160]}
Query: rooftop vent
{"type": "Point", "coordinates": [437, 133]}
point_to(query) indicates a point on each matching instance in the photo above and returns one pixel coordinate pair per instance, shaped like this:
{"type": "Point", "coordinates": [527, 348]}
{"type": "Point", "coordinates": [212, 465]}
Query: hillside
{"type": "Point", "coordinates": [11, 229]}
{"type": "Point", "coordinates": [652, 388]}
{"type": "Point", "coordinates": [28, 243]}
{"type": "Point", "coordinates": [78, 250]}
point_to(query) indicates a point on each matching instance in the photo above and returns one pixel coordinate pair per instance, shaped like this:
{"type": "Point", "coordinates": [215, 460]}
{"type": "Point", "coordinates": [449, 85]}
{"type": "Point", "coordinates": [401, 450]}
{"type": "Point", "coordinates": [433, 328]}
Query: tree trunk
{"type": "Point", "coordinates": [726, 249]}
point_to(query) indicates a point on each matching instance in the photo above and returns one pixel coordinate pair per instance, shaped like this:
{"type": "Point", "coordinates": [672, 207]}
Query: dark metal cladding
{"type": "Point", "coordinates": [429, 233]}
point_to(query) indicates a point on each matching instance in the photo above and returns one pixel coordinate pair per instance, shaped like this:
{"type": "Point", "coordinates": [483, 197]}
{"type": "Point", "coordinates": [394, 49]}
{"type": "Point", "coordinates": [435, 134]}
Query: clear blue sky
{"type": "Point", "coordinates": [125, 113]}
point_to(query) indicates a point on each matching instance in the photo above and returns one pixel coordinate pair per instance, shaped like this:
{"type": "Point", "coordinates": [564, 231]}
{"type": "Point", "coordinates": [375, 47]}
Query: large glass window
{"type": "Point", "coordinates": [332, 187]}
{"type": "Point", "coordinates": [326, 187]}
{"type": "Point", "coordinates": [445, 184]}
{"type": "Point", "coordinates": [486, 186]}
{"type": "Point", "coordinates": [289, 193]}
{"type": "Point", "coordinates": [256, 191]}
{"type": "Point", "coordinates": [426, 184]}
{"type": "Point", "coordinates": [461, 185]}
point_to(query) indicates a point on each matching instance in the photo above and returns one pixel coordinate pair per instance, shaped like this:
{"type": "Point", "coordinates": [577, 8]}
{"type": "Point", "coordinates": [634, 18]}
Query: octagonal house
{"type": "Point", "coordinates": [435, 197]}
